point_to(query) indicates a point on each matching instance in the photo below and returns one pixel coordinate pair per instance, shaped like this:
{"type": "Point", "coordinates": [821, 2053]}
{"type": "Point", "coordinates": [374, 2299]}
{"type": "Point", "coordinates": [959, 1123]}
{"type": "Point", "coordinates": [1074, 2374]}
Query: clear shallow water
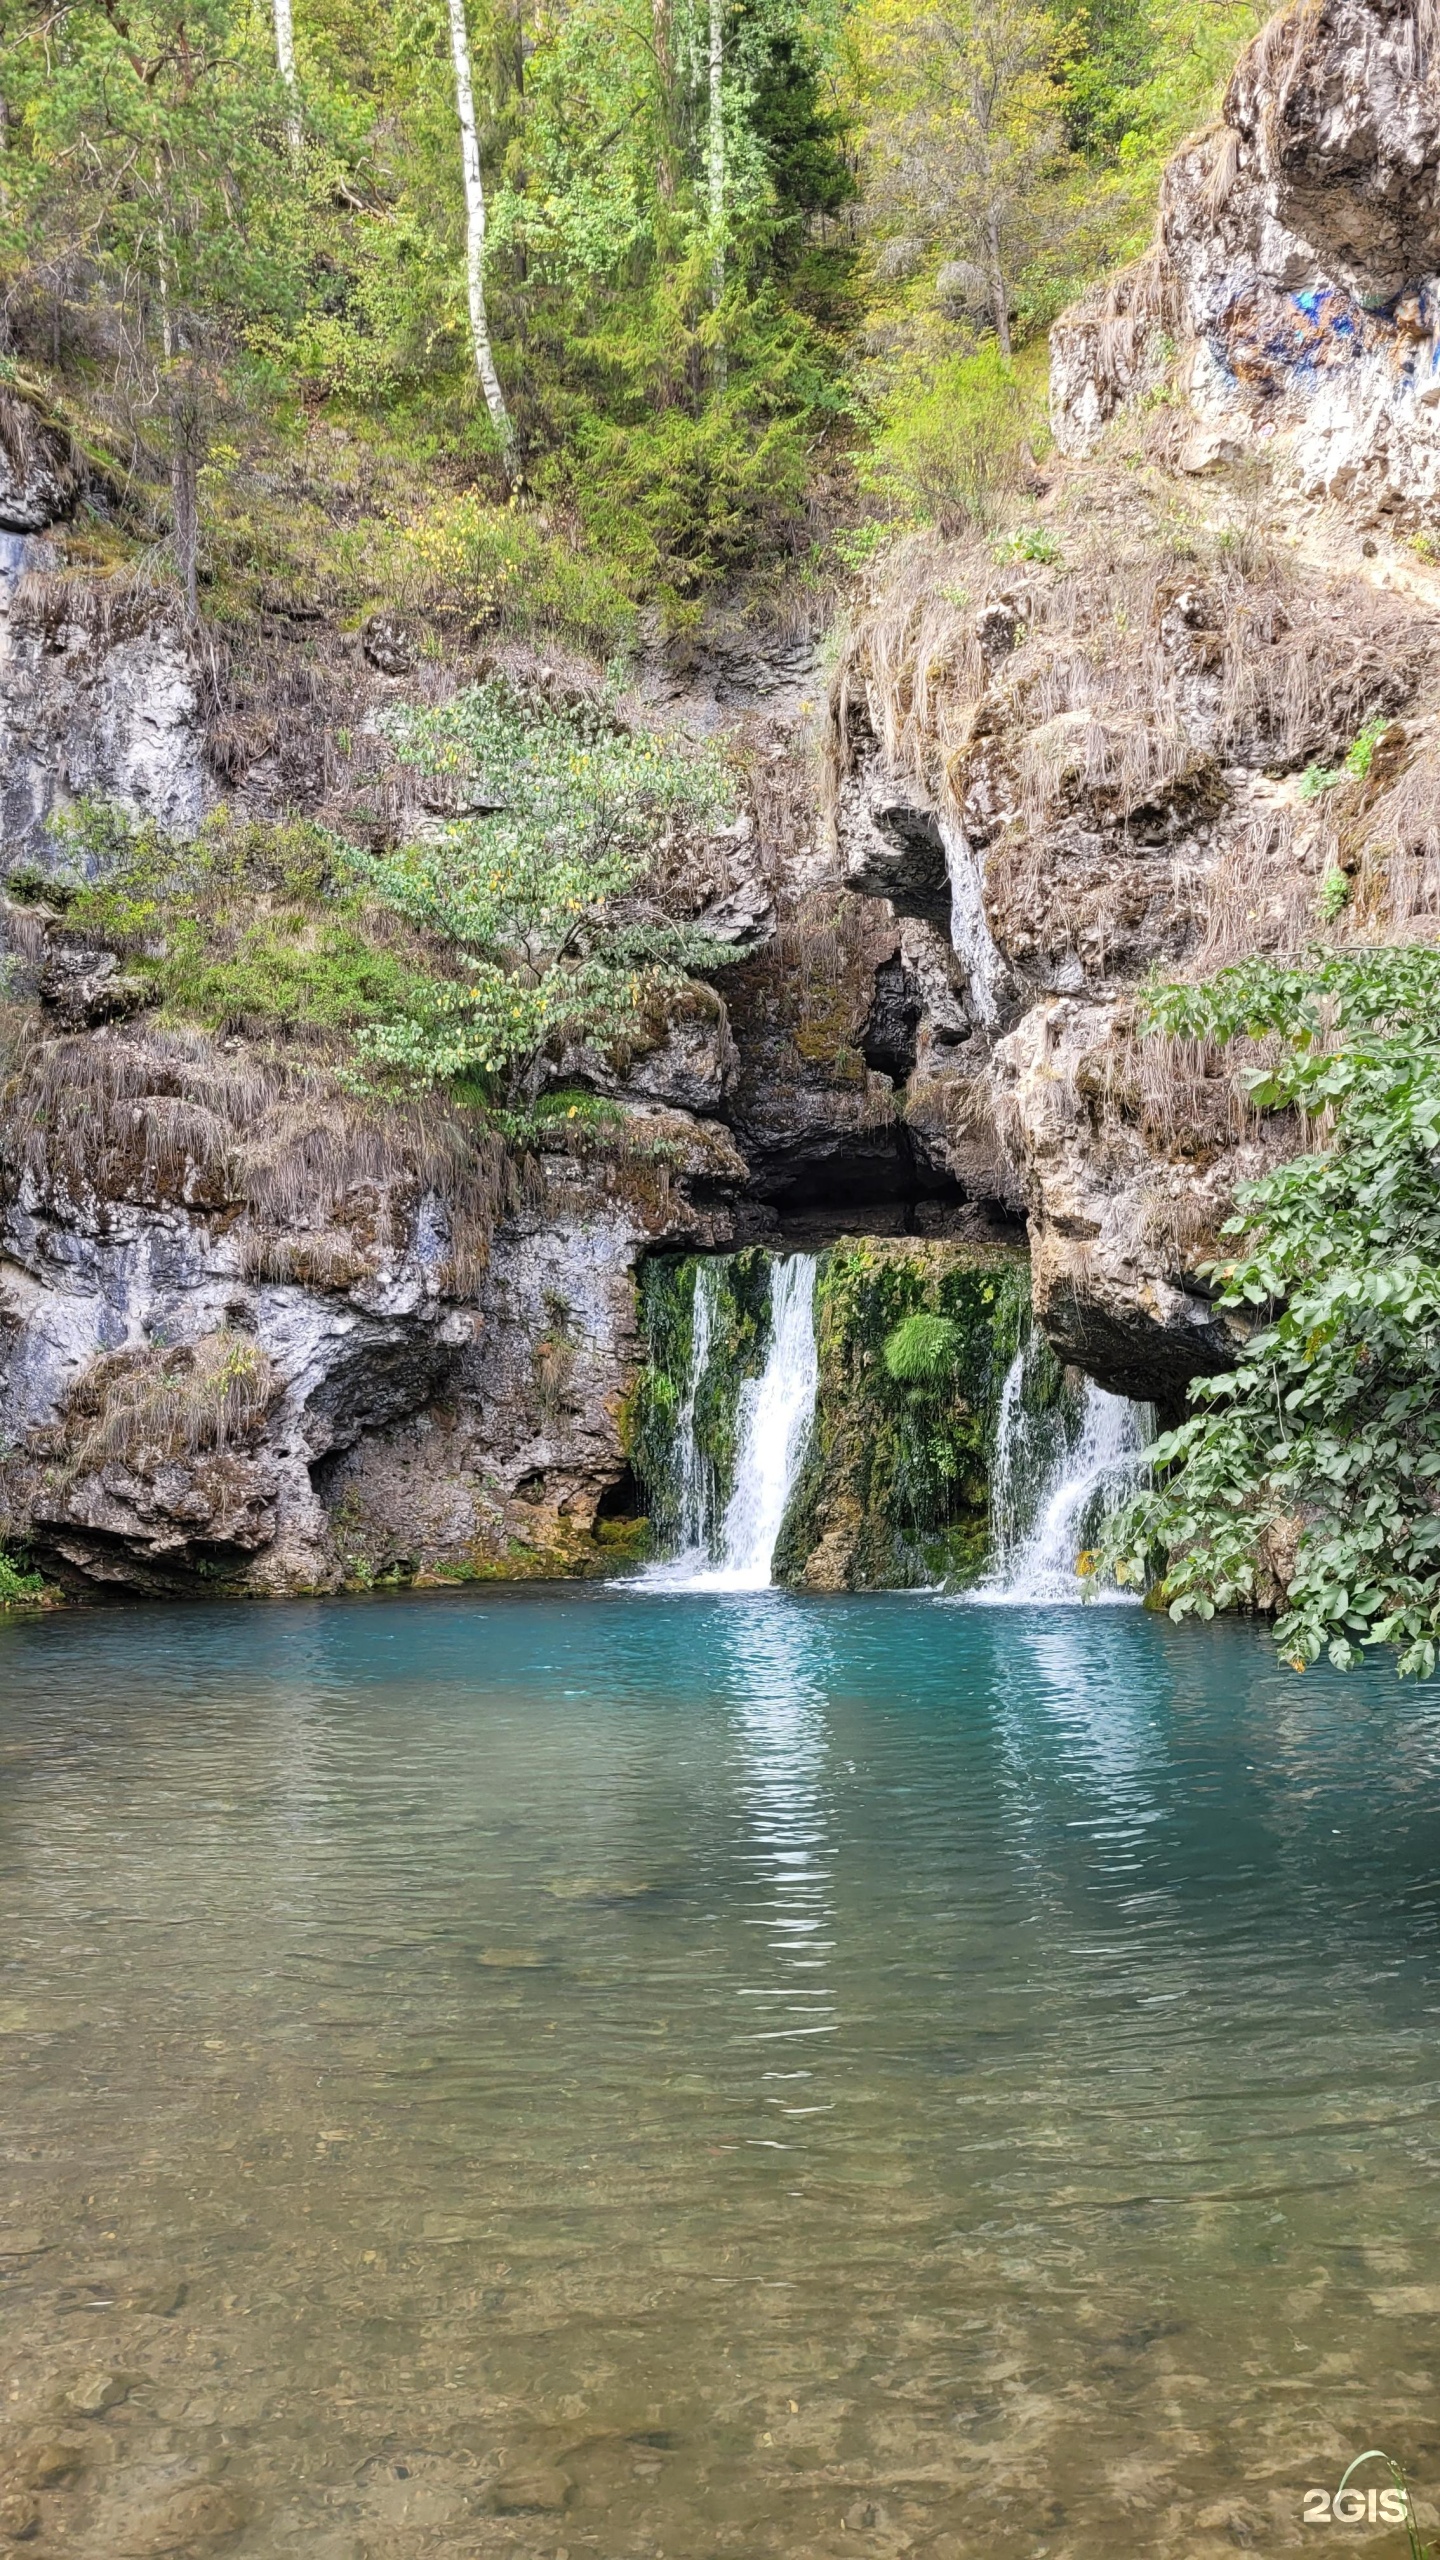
{"type": "Point", "coordinates": [625, 2073]}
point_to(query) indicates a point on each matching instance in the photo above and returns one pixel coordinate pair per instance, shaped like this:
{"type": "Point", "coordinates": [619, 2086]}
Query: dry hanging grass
{"type": "Point", "coordinates": [160, 1403]}
{"type": "Point", "coordinates": [1138, 692]}
{"type": "Point", "coordinates": [326, 1181]}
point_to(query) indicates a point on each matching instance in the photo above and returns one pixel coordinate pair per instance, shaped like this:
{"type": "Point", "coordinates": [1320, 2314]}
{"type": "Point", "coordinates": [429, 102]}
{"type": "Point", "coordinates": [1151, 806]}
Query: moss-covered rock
{"type": "Point", "coordinates": [738, 1295]}
{"type": "Point", "coordinates": [896, 1486]}
{"type": "Point", "coordinates": [913, 1341]}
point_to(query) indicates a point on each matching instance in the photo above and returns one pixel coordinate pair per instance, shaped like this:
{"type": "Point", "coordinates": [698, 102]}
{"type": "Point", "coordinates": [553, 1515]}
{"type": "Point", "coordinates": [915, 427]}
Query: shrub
{"type": "Point", "coordinates": [567, 808]}
{"type": "Point", "coordinates": [19, 1589]}
{"type": "Point", "coordinates": [1309, 1473]}
{"type": "Point", "coordinates": [952, 442]}
{"type": "Point", "coordinates": [244, 928]}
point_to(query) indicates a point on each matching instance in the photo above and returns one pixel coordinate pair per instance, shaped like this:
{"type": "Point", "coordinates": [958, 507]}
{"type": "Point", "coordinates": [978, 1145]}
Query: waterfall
{"type": "Point", "coordinates": [694, 1473]}
{"type": "Point", "coordinates": [773, 1423]}
{"type": "Point", "coordinates": [970, 933]}
{"type": "Point", "coordinates": [1053, 1480]}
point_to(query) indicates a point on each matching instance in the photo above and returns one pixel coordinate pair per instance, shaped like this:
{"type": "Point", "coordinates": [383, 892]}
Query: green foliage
{"type": "Point", "coordinates": [506, 564]}
{"type": "Point", "coordinates": [1313, 1465]}
{"type": "Point", "coordinates": [1362, 754]}
{"type": "Point", "coordinates": [244, 928]}
{"type": "Point", "coordinates": [923, 1350]}
{"type": "Point", "coordinates": [913, 1342]}
{"type": "Point", "coordinates": [19, 1588]}
{"type": "Point", "coordinates": [566, 808]}
{"type": "Point", "coordinates": [1030, 542]}
{"type": "Point", "coordinates": [1335, 894]}
{"type": "Point", "coordinates": [952, 442]}
{"type": "Point", "coordinates": [463, 959]}
{"type": "Point", "coordinates": [1317, 779]}
{"type": "Point", "coordinates": [678, 498]}
{"type": "Point", "coordinates": [739, 1288]}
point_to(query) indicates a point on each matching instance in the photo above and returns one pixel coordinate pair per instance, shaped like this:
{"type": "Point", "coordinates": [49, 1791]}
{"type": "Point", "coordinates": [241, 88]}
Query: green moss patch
{"type": "Point", "coordinates": [914, 1340]}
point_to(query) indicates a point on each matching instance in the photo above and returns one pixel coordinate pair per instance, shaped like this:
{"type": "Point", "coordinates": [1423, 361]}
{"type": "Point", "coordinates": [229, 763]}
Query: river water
{"type": "Point", "coordinates": [621, 2072]}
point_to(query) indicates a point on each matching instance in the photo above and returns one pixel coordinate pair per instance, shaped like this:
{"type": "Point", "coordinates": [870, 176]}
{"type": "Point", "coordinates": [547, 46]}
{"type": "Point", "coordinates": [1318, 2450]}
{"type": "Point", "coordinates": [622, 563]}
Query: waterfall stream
{"type": "Point", "coordinates": [776, 1410]}
{"type": "Point", "coordinates": [694, 1472]}
{"type": "Point", "coordinates": [1053, 1482]}
{"type": "Point", "coordinates": [970, 933]}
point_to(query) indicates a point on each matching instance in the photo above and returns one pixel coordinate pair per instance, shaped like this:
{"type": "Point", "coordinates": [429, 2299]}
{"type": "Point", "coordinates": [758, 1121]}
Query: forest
{"type": "Point", "coordinates": [594, 307]}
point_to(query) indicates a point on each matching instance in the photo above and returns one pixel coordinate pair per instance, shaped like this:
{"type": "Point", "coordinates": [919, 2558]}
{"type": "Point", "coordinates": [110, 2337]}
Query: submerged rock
{"type": "Point", "coordinates": [536, 2489]}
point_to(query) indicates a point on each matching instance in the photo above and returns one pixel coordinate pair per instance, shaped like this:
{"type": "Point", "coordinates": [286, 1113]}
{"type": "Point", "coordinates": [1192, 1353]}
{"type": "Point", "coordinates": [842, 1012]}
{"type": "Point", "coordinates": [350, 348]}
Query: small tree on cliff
{"type": "Point", "coordinates": [541, 885]}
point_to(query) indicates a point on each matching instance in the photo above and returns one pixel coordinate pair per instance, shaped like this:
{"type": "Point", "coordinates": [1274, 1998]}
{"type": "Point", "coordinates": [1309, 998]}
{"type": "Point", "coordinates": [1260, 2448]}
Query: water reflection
{"type": "Point", "coordinates": [774, 1685]}
{"type": "Point", "coordinates": [745, 2066]}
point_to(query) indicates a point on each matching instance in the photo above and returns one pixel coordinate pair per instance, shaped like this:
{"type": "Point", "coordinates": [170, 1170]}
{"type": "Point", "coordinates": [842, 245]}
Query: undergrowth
{"type": "Point", "coordinates": [1306, 1479]}
{"type": "Point", "coordinates": [158, 1403]}
{"type": "Point", "coordinates": [20, 1588]}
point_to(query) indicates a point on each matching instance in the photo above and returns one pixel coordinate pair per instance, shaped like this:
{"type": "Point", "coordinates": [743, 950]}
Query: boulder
{"type": "Point", "coordinates": [1118, 1228]}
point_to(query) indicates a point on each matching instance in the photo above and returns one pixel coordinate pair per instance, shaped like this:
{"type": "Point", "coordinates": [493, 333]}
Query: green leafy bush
{"type": "Point", "coordinates": [19, 1588]}
{"type": "Point", "coordinates": [466, 959]}
{"type": "Point", "coordinates": [563, 812]}
{"type": "Point", "coordinates": [242, 928]}
{"type": "Point", "coordinates": [1030, 542]}
{"type": "Point", "coordinates": [953, 441]}
{"type": "Point", "coordinates": [1310, 1474]}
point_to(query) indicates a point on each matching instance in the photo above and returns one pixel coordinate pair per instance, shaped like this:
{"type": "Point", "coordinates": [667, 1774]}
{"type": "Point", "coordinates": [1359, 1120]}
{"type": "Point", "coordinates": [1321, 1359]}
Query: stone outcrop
{"type": "Point", "coordinates": [433, 1402]}
{"type": "Point", "coordinates": [1119, 1226]}
{"type": "Point", "coordinates": [41, 475]}
{"type": "Point", "coordinates": [1293, 294]}
{"type": "Point", "coordinates": [100, 698]}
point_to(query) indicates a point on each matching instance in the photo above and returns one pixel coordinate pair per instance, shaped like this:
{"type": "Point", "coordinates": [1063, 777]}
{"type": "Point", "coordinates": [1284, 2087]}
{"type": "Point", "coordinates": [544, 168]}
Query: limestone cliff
{"type": "Point", "coordinates": [259, 1333]}
{"type": "Point", "coordinates": [1189, 710]}
{"type": "Point", "coordinates": [1291, 295]}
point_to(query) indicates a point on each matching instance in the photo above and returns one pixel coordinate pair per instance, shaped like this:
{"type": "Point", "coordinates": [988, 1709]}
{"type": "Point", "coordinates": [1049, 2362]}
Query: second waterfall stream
{"type": "Point", "coordinates": [1054, 1478]}
{"type": "Point", "coordinates": [773, 1425]}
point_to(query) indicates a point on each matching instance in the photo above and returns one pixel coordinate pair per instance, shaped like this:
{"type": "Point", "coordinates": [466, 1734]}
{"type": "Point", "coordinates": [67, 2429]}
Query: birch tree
{"type": "Point", "coordinates": [285, 57]}
{"type": "Point", "coordinates": [716, 167]}
{"type": "Point", "coordinates": [475, 227]}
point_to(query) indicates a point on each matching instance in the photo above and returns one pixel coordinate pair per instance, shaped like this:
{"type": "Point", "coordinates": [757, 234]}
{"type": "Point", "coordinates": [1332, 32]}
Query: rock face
{"type": "Point", "coordinates": [100, 697]}
{"type": "Point", "coordinates": [1118, 1226]}
{"type": "Point", "coordinates": [40, 475]}
{"type": "Point", "coordinates": [1195, 715]}
{"type": "Point", "coordinates": [198, 1397]}
{"type": "Point", "coordinates": [1296, 266]}
{"type": "Point", "coordinates": [100, 692]}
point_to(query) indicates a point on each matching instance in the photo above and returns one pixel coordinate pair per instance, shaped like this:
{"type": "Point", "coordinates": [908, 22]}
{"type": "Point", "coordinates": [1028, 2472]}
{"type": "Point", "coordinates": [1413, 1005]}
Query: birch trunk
{"type": "Point", "coordinates": [475, 226]}
{"type": "Point", "coordinates": [717, 175]}
{"type": "Point", "coordinates": [285, 56]}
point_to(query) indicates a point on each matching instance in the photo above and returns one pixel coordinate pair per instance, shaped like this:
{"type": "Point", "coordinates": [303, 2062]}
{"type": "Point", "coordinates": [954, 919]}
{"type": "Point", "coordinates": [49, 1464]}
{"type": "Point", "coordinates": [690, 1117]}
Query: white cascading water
{"type": "Point", "coordinates": [775, 1414]}
{"type": "Point", "coordinates": [970, 933]}
{"type": "Point", "coordinates": [694, 1474]}
{"type": "Point", "coordinates": [1050, 1488]}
